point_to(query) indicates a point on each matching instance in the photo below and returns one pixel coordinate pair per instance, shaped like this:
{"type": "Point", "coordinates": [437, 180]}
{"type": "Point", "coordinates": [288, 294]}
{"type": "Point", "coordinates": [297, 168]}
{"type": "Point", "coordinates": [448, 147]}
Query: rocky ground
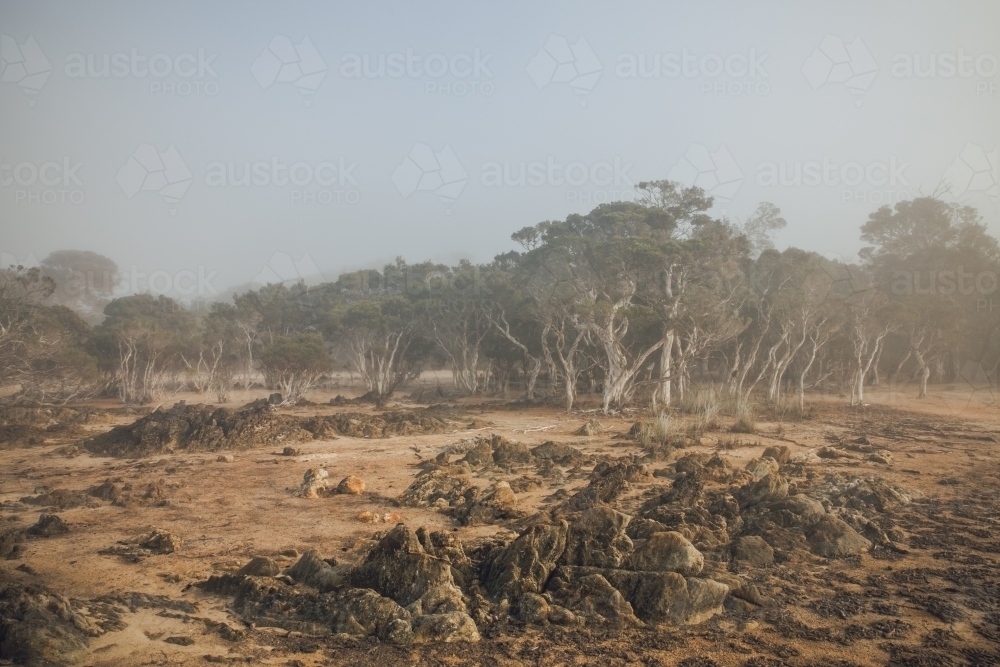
{"type": "Point", "coordinates": [471, 533]}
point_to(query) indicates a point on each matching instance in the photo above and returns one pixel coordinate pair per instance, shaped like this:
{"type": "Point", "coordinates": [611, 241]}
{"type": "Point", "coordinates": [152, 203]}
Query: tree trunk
{"type": "Point", "coordinates": [532, 375]}
{"type": "Point", "coordinates": [663, 390]}
{"type": "Point", "coordinates": [925, 373]}
{"type": "Point", "coordinates": [570, 391]}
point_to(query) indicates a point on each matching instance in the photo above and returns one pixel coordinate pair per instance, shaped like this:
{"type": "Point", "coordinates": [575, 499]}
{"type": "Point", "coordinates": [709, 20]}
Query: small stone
{"type": "Point", "coordinates": [179, 641]}
{"type": "Point", "coordinates": [351, 485]}
{"type": "Point", "coordinates": [160, 542]}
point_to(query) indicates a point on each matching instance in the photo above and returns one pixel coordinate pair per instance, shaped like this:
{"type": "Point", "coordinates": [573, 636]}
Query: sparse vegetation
{"type": "Point", "coordinates": [746, 420]}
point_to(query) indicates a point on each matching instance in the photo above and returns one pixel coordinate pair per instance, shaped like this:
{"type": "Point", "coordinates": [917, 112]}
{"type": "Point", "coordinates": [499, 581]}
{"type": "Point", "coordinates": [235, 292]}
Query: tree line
{"type": "Point", "coordinates": [633, 303]}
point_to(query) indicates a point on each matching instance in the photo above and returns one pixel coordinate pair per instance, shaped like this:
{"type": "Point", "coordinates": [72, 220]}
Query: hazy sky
{"type": "Point", "coordinates": [226, 137]}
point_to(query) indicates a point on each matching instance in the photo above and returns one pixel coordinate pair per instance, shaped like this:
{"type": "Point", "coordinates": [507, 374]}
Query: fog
{"type": "Point", "coordinates": [338, 111]}
{"type": "Point", "coordinates": [481, 333]}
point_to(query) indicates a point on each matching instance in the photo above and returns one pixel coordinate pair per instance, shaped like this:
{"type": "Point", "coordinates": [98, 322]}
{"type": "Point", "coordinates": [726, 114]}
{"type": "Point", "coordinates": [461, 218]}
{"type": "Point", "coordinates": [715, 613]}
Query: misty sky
{"type": "Point", "coordinates": [229, 137]}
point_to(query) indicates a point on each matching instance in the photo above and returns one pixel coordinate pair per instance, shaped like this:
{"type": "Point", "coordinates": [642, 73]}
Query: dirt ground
{"type": "Point", "coordinates": [933, 601]}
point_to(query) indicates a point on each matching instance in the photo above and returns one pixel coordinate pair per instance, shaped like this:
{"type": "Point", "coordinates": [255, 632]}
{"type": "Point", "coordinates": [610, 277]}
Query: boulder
{"type": "Point", "coordinates": [509, 454]}
{"type": "Point", "coordinates": [155, 542]}
{"type": "Point", "coordinates": [590, 596]}
{"type": "Point", "coordinates": [259, 566]}
{"type": "Point", "coordinates": [496, 503]}
{"type": "Point", "coordinates": [365, 613]}
{"type": "Point", "coordinates": [668, 597]}
{"type": "Point", "coordinates": [691, 463]}
{"type": "Point", "coordinates": [685, 491]}
{"type": "Point", "coordinates": [312, 570]}
{"type": "Point", "coordinates": [107, 491]}
{"type": "Point", "coordinates": [47, 526]}
{"type": "Point", "coordinates": [524, 565]}
{"type": "Point", "coordinates": [372, 517]}
{"type": "Point", "coordinates": [447, 484]}
{"type": "Point", "coordinates": [351, 485]}
{"type": "Point", "coordinates": [762, 467]}
{"type": "Point", "coordinates": [768, 488]}
{"type": "Point", "coordinates": [780, 453]}
{"type": "Point", "coordinates": [315, 482]}
{"type": "Point", "coordinates": [640, 528]}
{"type": "Point", "coordinates": [597, 538]}
{"type": "Point", "coordinates": [609, 481]}
{"type": "Point", "coordinates": [480, 455]}
{"type": "Point", "coordinates": [40, 628]}
{"type": "Point", "coordinates": [590, 427]}
{"type": "Point", "coordinates": [533, 609]}
{"type": "Point", "coordinates": [557, 453]}
{"type": "Point", "coordinates": [455, 626]}
{"type": "Point", "coordinates": [653, 597]}
{"type": "Point", "coordinates": [752, 550]}
{"type": "Point", "coordinates": [666, 552]}
{"type": "Point", "coordinates": [718, 469]}
{"type": "Point", "coordinates": [444, 545]}
{"type": "Point", "coordinates": [831, 537]}
{"type": "Point", "coordinates": [399, 568]}
{"type": "Point", "coordinates": [804, 509]}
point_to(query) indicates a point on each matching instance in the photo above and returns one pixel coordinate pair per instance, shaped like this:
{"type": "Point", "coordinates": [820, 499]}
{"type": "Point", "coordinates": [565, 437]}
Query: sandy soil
{"type": "Point", "coordinates": [944, 447]}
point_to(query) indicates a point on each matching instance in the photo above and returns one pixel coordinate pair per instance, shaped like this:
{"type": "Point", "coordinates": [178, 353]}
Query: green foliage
{"type": "Point", "coordinates": [297, 353]}
{"type": "Point", "coordinates": [643, 298]}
